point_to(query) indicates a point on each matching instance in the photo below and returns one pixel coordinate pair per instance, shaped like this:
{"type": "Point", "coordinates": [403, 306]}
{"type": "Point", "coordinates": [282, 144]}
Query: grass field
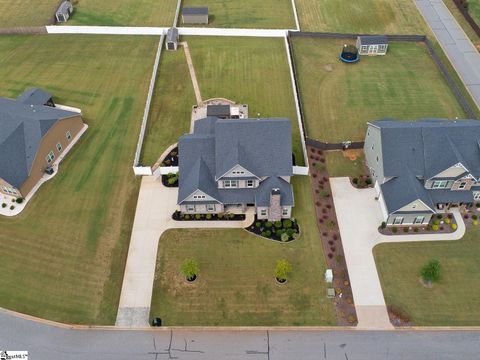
{"type": "Point", "coordinates": [474, 38]}
{"type": "Point", "coordinates": [171, 107]}
{"type": "Point", "coordinates": [339, 99]}
{"type": "Point", "coordinates": [474, 10]}
{"type": "Point", "coordinates": [63, 258]}
{"type": "Point", "coordinates": [271, 14]}
{"type": "Point", "coordinates": [454, 301]}
{"type": "Point", "coordinates": [251, 71]}
{"type": "Point", "coordinates": [124, 12]}
{"type": "Point", "coordinates": [360, 16]}
{"type": "Point", "coordinates": [23, 13]}
{"type": "Point", "coordinates": [236, 284]}
{"type": "Point", "coordinates": [339, 165]}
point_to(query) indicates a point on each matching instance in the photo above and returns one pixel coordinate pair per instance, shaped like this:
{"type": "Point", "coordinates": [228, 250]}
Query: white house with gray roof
{"type": "Point", "coordinates": [423, 167]}
{"type": "Point", "coordinates": [237, 162]}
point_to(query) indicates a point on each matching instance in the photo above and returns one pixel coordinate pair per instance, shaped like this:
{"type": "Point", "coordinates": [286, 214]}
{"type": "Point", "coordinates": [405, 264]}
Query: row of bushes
{"type": "Point", "coordinates": [284, 230]}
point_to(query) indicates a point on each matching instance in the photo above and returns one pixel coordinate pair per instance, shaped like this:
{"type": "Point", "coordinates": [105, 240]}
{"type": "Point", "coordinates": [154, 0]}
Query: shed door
{"type": "Point", "coordinates": [171, 46]}
{"type": "Point", "coordinates": [373, 49]}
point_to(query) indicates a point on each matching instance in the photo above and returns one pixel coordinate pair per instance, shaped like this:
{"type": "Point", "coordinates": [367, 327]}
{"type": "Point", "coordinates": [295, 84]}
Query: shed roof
{"type": "Point", "coordinates": [195, 11]}
{"type": "Point", "coordinates": [23, 127]}
{"type": "Point", "coordinates": [373, 39]}
{"type": "Point", "coordinates": [218, 110]}
{"type": "Point", "coordinates": [172, 34]}
{"type": "Point", "coordinates": [65, 7]}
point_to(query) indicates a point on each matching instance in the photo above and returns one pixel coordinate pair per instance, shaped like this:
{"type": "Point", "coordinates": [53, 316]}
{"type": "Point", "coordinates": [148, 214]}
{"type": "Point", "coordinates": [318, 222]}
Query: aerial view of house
{"type": "Point", "coordinates": [34, 134]}
{"type": "Point", "coordinates": [423, 167]}
{"type": "Point", "coordinates": [237, 163]}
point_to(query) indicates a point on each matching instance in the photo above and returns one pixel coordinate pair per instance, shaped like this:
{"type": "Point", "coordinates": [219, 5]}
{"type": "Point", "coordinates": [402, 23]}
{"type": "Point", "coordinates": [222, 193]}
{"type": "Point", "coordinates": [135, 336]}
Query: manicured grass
{"type": "Point", "coordinates": [24, 13]}
{"type": "Point", "coordinates": [251, 71]}
{"type": "Point", "coordinates": [339, 99]}
{"type": "Point", "coordinates": [271, 14]}
{"type": "Point", "coordinates": [63, 258]}
{"type": "Point", "coordinates": [236, 285]}
{"type": "Point", "coordinates": [360, 16]}
{"type": "Point", "coordinates": [454, 300]}
{"type": "Point", "coordinates": [171, 107]}
{"type": "Point", "coordinates": [474, 10]}
{"type": "Point", "coordinates": [339, 165]}
{"type": "Point", "coordinates": [474, 38]}
{"type": "Point", "coordinates": [124, 12]}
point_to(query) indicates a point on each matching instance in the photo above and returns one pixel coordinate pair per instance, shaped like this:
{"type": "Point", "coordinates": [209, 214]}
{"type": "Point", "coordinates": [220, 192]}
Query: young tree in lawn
{"type": "Point", "coordinates": [190, 269]}
{"type": "Point", "coordinates": [282, 270]}
{"type": "Point", "coordinates": [430, 272]}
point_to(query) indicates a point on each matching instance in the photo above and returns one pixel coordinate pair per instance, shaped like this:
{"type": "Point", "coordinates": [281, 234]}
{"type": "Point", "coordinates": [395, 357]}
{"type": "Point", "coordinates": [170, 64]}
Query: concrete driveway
{"type": "Point", "coordinates": [153, 216]}
{"type": "Point", "coordinates": [359, 216]}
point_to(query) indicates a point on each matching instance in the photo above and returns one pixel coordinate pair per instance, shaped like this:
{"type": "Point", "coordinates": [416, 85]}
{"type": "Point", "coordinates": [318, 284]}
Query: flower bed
{"type": "Point", "coordinates": [179, 216]}
{"type": "Point", "coordinates": [284, 231]}
{"type": "Point", "coordinates": [362, 182]}
{"type": "Point", "coordinates": [440, 223]}
{"type": "Point", "coordinates": [170, 180]}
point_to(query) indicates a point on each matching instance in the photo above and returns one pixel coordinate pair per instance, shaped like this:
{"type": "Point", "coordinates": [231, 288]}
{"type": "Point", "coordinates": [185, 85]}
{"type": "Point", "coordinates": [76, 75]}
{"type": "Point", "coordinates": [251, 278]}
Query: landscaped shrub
{"type": "Point", "coordinates": [450, 216]}
{"type": "Point", "coordinates": [258, 224]}
{"type": "Point", "coordinates": [280, 232]}
{"type": "Point", "coordinates": [208, 216]}
{"type": "Point", "coordinates": [264, 234]}
{"type": "Point", "coordinates": [324, 194]}
{"type": "Point", "coordinates": [475, 222]}
{"type": "Point", "coordinates": [368, 181]}
{"type": "Point", "coordinates": [268, 224]}
{"type": "Point", "coordinates": [415, 229]}
{"type": "Point", "coordinates": [187, 217]}
{"type": "Point", "coordinates": [287, 223]}
{"type": "Point", "coordinates": [198, 216]}
{"type": "Point", "coordinates": [435, 227]}
{"type": "Point", "coordinates": [282, 270]}
{"type": "Point", "coordinates": [477, 204]}
{"type": "Point", "coordinates": [454, 226]}
{"type": "Point", "coordinates": [189, 269]}
{"type": "Point", "coordinates": [12, 207]}
{"type": "Point", "coordinates": [339, 258]}
{"type": "Point", "coordinates": [284, 237]}
{"type": "Point", "coordinates": [474, 217]}
{"type": "Point", "coordinates": [330, 255]}
{"type": "Point", "coordinates": [383, 225]}
{"type": "Point", "coordinates": [430, 272]}
{"type": "Point", "coordinates": [171, 181]}
{"type": "Point", "coordinates": [19, 200]}
{"type": "Point", "coordinates": [268, 233]}
{"type": "Point", "coordinates": [439, 216]}
{"type": "Point", "coordinates": [290, 232]}
{"type": "Point", "coordinates": [405, 229]}
{"type": "Point", "coordinates": [394, 229]}
{"type": "Point", "coordinates": [436, 222]}
{"type": "Point", "coordinates": [355, 181]}
{"type": "Point", "coordinates": [220, 216]}
{"type": "Point", "coordinates": [330, 224]}
{"type": "Point", "coordinates": [447, 221]}
{"type": "Point", "coordinates": [4, 205]}
{"type": "Point", "coordinates": [278, 224]}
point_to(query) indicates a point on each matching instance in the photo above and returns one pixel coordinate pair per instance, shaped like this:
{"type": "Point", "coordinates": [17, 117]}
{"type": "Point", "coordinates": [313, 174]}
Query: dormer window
{"type": "Point", "coordinates": [238, 172]}
{"type": "Point", "coordinates": [440, 184]}
{"type": "Point", "coordinates": [230, 183]}
{"type": "Point", "coordinates": [462, 185]}
{"type": "Point", "coordinates": [250, 183]}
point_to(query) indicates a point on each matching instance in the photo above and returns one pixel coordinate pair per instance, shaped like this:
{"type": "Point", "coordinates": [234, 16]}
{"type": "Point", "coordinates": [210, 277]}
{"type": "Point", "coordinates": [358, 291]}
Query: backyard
{"type": "Point", "coordinates": [453, 301]}
{"type": "Point", "coordinates": [360, 16]}
{"type": "Point", "coordinates": [124, 12]}
{"type": "Point", "coordinates": [63, 258]}
{"type": "Point", "coordinates": [275, 14]}
{"type": "Point", "coordinates": [236, 285]}
{"type": "Point", "coordinates": [339, 99]}
{"type": "Point", "coordinates": [345, 163]}
{"type": "Point", "coordinates": [251, 71]}
{"type": "Point", "coordinates": [22, 13]}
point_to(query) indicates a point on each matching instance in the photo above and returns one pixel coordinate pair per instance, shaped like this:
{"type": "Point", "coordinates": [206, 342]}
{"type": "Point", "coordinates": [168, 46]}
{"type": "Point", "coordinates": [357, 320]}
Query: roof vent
{"type": "Point", "coordinates": [275, 191]}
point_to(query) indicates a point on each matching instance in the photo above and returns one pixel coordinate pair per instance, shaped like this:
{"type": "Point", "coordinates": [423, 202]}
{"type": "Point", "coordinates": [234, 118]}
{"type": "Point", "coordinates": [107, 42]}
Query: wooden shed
{"type": "Point", "coordinates": [64, 11]}
{"type": "Point", "coordinates": [372, 45]}
{"type": "Point", "coordinates": [195, 15]}
{"type": "Point", "coordinates": [172, 39]}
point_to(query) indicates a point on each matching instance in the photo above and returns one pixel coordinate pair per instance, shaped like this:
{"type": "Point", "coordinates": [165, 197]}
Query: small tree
{"type": "Point", "coordinates": [431, 271]}
{"type": "Point", "coordinates": [190, 269]}
{"type": "Point", "coordinates": [282, 270]}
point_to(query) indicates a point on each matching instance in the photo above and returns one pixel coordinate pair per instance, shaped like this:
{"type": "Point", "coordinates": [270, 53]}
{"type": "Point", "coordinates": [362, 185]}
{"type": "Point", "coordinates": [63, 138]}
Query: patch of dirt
{"type": "Point", "coordinates": [328, 67]}
{"type": "Point", "coordinates": [398, 317]}
{"type": "Point", "coordinates": [330, 237]}
{"type": "Point", "coordinates": [352, 154]}
{"type": "Point", "coordinates": [425, 284]}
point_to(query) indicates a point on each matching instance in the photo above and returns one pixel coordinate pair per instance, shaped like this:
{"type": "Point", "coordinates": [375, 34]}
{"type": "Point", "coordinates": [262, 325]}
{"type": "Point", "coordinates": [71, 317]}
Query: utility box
{"type": "Point", "coordinates": [329, 276]}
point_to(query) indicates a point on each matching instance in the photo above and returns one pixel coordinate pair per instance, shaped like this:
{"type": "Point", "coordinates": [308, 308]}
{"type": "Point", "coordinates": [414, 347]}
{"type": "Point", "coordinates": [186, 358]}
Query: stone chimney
{"type": "Point", "coordinates": [275, 211]}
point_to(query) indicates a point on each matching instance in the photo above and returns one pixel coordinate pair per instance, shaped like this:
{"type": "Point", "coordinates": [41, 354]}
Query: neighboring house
{"type": "Point", "coordinates": [64, 11]}
{"type": "Point", "coordinates": [33, 134]}
{"type": "Point", "coordinates": [231, 163]}
{"type": "Point", "coordinates": [195, 15]}
{"type": "Point", "coordinates": [422, 167]}
{"type": "Point", "coordinates": [172, 39]}
{"type": "Point", "coordinates": [372, 45]}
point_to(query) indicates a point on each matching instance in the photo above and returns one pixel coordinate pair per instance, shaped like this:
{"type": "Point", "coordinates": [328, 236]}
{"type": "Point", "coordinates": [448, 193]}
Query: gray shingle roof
{"type": "Point", "coordinates": [23, 127]}
{"type": "Point", "coordinates": [34, 96]}
{"type": "Point", "coordinates": [373, 39]}
{"type": "Point", "coordinates": [218, 110]}
{"type": "Point", "coordinates": [65, 7]}
{"type": "Point", "coordinates": [172, 35]}
{"type": "Point", "coordinates": [259, 145]}
{"type": "Point", "coordinates": [447, 196]}
{"type": "Point", "coordinates": [262, 196]}
{"type": "Point", "coordinates": [195, 11]}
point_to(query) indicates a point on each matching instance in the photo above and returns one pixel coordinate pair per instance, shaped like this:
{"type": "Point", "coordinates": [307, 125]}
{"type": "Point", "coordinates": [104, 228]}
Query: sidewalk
{"type": "Point", "coordinates": [455, 43]}
{"type": "Point", "coordinates": [359, 216]}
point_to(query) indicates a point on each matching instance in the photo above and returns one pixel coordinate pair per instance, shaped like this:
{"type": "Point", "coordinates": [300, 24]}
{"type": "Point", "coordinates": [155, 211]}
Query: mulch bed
{"type": "Point", "coordinates": [443, 227]}
{"type": "Point", "coordinates": [167, 184]}
{"type": "Point", "coordinates": [362, 181]}
{"type": "Point", "coordinates": [178, 216]}
{"type": "Point", "coordinates": [330, 238]}
{"type": "Point", "coordinates": [471, 216]}
{"type": "Point", "coordinates": [274, 232]}
{"type": "Point", "coordinates": [170, 160]}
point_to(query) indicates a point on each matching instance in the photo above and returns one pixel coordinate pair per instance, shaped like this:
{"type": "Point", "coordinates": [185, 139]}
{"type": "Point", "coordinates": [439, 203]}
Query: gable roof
{"type": "Point", "coordinates": [195, 11]}
{"type": "Point", "coordinates": [23, 127]}
{"type": "Point", "coordinates": [373, 39]}
{"type": "Point", "coordinates": [172, 34]}
{"type": "Point", "coordinates": [34, 96]}
{"type": "Point", "coordinates": [429, 146]}
{"type": "Point", "coordinates": [65, 7]}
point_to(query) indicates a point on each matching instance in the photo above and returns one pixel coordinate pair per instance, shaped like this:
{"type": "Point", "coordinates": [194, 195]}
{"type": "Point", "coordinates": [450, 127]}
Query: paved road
{"type": "Point", "coordinates": [359, 216]}
{"type": "Point", "coordinates": [46, 342]}
{"type": "Point", "coordinates": [455, 43]}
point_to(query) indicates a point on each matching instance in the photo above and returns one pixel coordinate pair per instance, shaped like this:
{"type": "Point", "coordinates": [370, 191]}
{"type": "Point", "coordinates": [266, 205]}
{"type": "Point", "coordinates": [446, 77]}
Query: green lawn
{"type": "Point", "coordinates": [271, 14]}
{"type": "Point", "coordinates": [236, 284]}
{"type": "Point", "coordinates": [338, 165]}
{"type": "Point", "coordinates": [360, 16]}
{"type": "Point", "coordinates": [450, 4]}
{"type": "Point", "coordinates": [339, 99]}
{"type": "Point", "coordinates": [124, 12]}
{"type": "Point", "coordinates": [251, 71]}
{"type": "Point", "coordinates": [63, 258]}
{"type": "Point", "coordinates": [24, 13]}
{"type": "Point", "coordinates": [454, 301]}
{"type": "Point", "coordinates": [171, 107]}
{"type": "Point", "coordinates": [474, 10]}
